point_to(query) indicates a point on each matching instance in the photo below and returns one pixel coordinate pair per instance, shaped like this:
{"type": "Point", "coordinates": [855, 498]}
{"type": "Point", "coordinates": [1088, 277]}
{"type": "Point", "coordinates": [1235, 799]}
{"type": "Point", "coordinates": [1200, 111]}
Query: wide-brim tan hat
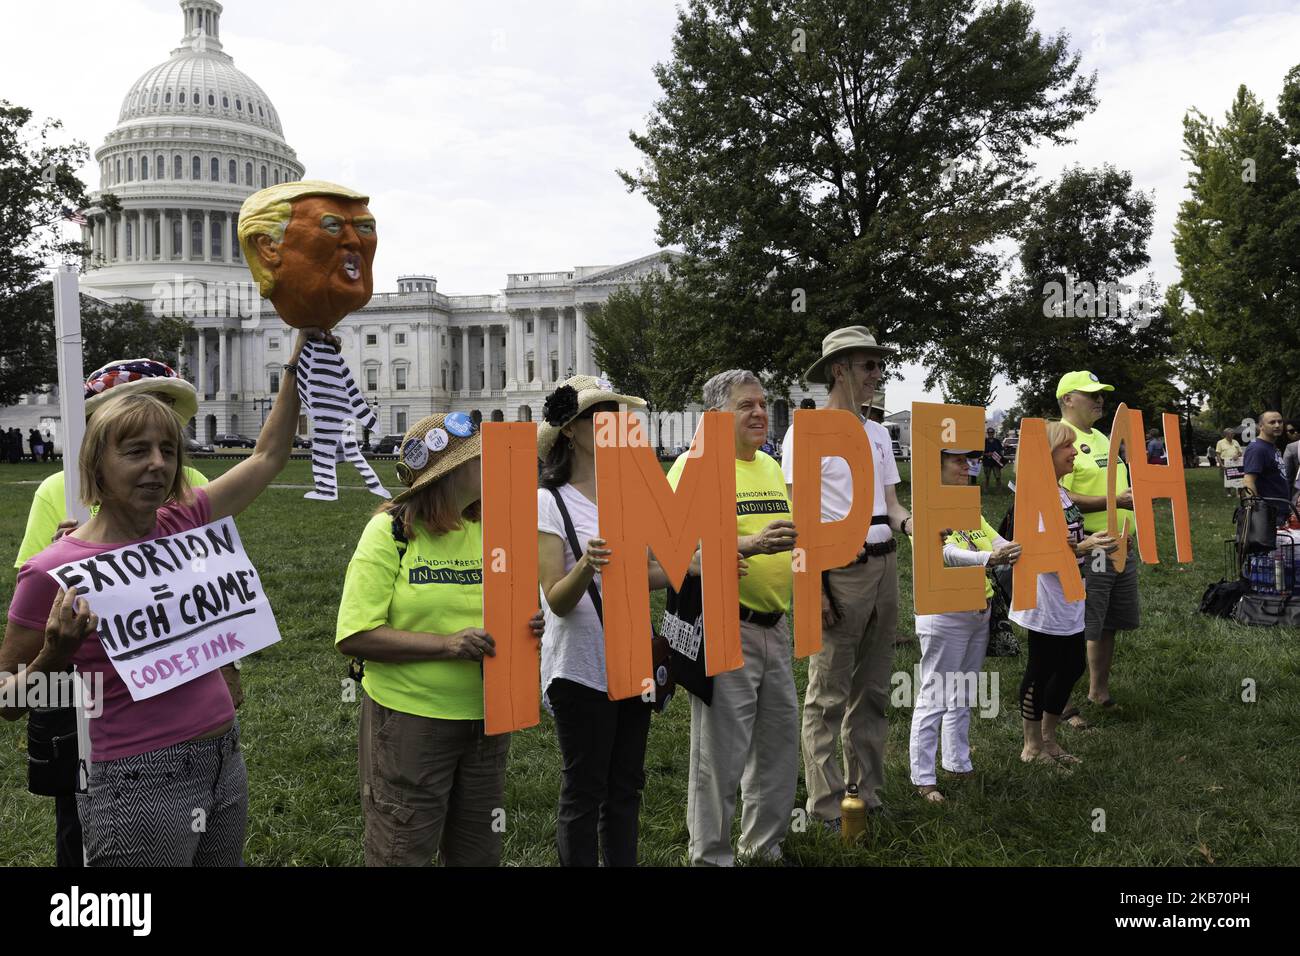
{"type": "Point", "coordinates": [854, 338]}
{"type": "Point", "coordinates": [432, 447]}
{"type": "Point", "coordinates": [141, 376]}
{"type": "Point", "coordinates": [570, 399]}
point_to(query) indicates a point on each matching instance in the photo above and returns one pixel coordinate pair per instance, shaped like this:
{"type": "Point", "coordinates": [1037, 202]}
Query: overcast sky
{"type": "Point", "coordinates": [487, 133]}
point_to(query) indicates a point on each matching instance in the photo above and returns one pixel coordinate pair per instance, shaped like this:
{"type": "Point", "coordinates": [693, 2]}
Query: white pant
{"type": "Point", "coordinates": [748, 737]}
{"type": "Point", "coordinates": [952, 652]}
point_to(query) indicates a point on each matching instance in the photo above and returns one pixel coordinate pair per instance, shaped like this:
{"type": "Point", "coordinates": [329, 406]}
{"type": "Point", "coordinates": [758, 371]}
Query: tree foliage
{"type": "Point", "coordinates": [825, 163]}
{"type": "Point", "coordinates": [631, 341]}
{"type": "Point", "coordinates": [1072, 306]}
{"type": "Point", "coordinates": [1237, 239]}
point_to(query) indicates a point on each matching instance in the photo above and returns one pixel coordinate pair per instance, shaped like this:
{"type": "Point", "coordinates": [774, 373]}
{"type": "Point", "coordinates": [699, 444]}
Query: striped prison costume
{"type": "Point", "coordinates": [327, 391]}
{"type": "Point", "coordinates": [183, 805]}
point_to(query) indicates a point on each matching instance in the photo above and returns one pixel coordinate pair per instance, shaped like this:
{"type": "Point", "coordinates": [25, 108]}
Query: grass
{"type": "Point", "coordinates": [1184, 771]}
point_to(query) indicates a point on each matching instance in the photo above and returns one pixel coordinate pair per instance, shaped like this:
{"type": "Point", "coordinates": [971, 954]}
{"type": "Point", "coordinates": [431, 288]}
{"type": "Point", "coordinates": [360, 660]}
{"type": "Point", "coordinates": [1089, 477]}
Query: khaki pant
{"type": "Point", "coordinates": [747, 738]}
{"type": "Point", "coordinates": [430, 786]}
{"type": "Point", "coordinates": [848, 688]}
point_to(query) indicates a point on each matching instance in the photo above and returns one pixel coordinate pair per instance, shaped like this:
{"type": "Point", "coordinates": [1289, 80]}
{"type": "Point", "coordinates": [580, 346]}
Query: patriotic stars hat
{"type": "Point", "coordinates": [142, 376]}
{"type": "Point", "coordinates": [433, 447]}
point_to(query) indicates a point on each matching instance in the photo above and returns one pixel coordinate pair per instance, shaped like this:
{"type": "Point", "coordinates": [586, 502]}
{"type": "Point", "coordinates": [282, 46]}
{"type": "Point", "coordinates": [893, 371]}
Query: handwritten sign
{"type": "Point", "coordinates": [174, 608]}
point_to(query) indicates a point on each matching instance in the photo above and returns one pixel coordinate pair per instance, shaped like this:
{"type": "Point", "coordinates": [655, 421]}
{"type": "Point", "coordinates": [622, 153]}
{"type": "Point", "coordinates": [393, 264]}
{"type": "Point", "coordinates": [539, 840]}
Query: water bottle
{"type": "Point", "coordinates": [1279, 573]}
{"type": "Point", "coordinates": [853, 815]}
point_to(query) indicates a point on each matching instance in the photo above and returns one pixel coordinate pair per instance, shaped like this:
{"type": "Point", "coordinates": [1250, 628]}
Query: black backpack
{"type": "Point", "coordinates": [357, 666]}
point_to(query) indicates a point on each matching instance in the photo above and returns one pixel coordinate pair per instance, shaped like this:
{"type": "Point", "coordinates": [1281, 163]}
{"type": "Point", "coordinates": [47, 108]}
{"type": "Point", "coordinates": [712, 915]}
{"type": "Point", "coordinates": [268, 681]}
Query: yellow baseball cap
{"type": "Point", "coordinates": [1081, 382]}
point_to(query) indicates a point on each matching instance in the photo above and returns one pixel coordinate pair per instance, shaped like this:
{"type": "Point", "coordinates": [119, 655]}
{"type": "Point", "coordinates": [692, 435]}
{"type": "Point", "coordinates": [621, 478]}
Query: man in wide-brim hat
{"type": "Point", "coordinates": [848, 679]}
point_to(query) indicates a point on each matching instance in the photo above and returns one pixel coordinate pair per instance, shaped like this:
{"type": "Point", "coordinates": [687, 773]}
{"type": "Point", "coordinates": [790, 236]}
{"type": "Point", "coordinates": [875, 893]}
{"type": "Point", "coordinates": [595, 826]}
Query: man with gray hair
{"type": "Point", "coordinates": [747, 736]}
{"type": "Point", "coordinates": [849, 678]}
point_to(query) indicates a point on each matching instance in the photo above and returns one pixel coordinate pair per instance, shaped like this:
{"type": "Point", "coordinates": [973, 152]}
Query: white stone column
{"type": "Point", "coordinates": [139, 249]}
{"type": "Point", "coordinates": [223, 368]}
{"type": "Point", "coordinates": [521, 349]}
{"type": "Point", "coordinates": [511, 354]}
{"type": "Point", "coordinates": [435, 353]}
{"type": "Point", "coordinates": [489, 360]}
{"type": "Point", "coordinates": [207, 236]}
{"type": "Point", "coordinates": [582, 345]}
{"type": "Point", "coordinates": [464, 361]}
{"type": "Point", "coordinates": [543, 327]}
{"type": "Point", "coordinates": [202, 381]}
{"type": "Point", "coordinates": [566, 345]}
{"type": "Point", "coordinates": [227, 238]}
{"type": "Point", "coordinates": [120, 245]}
{"type": "Point", "coordinates": [415, 346]}
{"type": "Point", "coordinates": [185, 235]}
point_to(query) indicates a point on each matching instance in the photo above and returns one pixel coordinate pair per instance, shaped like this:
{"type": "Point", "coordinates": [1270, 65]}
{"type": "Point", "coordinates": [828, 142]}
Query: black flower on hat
{"type": "Point", "coordinates": [560, 406]}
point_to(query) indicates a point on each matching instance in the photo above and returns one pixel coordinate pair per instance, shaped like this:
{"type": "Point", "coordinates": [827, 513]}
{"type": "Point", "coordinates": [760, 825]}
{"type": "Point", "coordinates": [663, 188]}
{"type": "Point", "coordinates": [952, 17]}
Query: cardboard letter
{"type": "Point", "coordinates": [1160, 481]}
{"type": "Point", "coordinates": [1121, 433]}
{"type": "Point", "coordinates": [511, 679]}
{"type": "Point", "coordinates": [818, 434]}
{"type": "Point", "coordinates": [935, 506]}
{"type": "Point", "coordinates": [639, 510]}
{"type": "Point", "coordinates": [1038, 495]}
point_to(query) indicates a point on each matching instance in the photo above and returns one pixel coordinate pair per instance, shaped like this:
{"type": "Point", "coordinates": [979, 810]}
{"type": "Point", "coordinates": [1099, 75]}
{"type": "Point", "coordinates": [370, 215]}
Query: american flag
{"type": "Point", "coordinates": [73, 216]}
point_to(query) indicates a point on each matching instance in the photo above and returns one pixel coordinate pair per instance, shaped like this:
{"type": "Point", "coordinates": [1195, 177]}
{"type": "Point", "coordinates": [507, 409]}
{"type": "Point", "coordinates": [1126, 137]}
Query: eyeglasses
{"type": "Point", "coordinates": [869, 365]}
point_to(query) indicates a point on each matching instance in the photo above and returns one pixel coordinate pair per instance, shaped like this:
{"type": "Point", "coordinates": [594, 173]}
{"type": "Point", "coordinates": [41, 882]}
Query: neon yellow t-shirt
{"type": "Point", "coordinates": [1089, 478]}
{"type": "Point", "coordinates": [49, 509]}
{"type": "Point", "coordinates": [982, 539]}
{"type": "Point", "coordinates": [760, 500]}
{"type": "Point", "coordinates": [435, 588]}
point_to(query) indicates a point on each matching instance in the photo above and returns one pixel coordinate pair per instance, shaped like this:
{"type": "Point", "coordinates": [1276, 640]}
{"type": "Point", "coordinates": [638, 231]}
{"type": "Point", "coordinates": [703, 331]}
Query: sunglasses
{"type": "Point", "coordinates": [869, 365]}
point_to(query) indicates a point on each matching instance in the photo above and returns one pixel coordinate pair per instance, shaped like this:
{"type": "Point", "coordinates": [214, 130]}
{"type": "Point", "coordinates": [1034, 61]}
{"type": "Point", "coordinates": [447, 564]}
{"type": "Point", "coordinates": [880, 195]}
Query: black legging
{"type": "Point", "coordinates": [1056, 661]}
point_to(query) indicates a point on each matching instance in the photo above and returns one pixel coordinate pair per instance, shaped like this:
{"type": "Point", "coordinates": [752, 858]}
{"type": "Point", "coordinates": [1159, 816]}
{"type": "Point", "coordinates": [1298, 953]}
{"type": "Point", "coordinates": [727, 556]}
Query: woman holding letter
{"type": "Point", "coordinates": [431, 780]}
{"type": "Point", "coordinates": [160, 765]}
{"type": "Point", "coordinates": [1057, 654]}
{"type": "Point", "coordinates": [952, 648]}
{"type": "Point", "coordinates": [602, 741]}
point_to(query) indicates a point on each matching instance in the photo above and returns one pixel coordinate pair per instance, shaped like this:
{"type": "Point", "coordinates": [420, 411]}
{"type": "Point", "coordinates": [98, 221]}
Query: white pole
{"type": "Point", "coordinates": [72, 409]}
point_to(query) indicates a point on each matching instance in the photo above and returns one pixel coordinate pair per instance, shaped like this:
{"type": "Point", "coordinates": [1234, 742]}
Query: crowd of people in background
{"type": "Point", "coordinates": [431, 780]}
{"type": "Point", "coordinates": [40, 446]}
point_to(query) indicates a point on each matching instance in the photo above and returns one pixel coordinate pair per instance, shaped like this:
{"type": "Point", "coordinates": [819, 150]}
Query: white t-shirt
{"type": "Point", "coordinates": [1054, 614]}
{"type": "Point", "coordinates": [573, 646]}
{"type": "Point", "coordinates": [837, 481]}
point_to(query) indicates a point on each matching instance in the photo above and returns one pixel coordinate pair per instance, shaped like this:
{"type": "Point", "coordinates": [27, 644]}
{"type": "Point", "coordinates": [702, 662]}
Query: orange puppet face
{"type": "Point", "coordinates": [324, 261]}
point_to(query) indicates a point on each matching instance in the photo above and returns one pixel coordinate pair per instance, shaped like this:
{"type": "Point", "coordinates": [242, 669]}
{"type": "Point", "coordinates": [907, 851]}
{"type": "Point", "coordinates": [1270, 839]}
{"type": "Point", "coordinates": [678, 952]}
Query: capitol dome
{"type": "Point", "coordinates": [194, 137]}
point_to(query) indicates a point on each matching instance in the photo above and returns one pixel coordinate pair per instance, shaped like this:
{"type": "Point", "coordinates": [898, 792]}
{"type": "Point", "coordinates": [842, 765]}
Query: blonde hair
{"type": "Point", "coordinates": [120, 419]}
{"type": "Point", "coordinates": [1059, 434]}
{"type": "Point", "coordinates": [267, 213]}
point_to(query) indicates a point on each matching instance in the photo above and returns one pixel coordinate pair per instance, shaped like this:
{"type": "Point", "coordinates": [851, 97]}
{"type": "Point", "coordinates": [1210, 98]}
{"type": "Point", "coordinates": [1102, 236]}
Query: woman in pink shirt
{"type": "Point", "coordinates": [167, 786]}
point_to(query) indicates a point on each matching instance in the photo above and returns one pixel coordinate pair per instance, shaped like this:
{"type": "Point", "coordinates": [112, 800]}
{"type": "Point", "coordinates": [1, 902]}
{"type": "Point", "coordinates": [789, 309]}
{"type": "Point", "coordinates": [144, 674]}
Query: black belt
{"type": "Point", "coordinates": [877, 550]}
{"type": "Point", "coordinates": [761, 618]}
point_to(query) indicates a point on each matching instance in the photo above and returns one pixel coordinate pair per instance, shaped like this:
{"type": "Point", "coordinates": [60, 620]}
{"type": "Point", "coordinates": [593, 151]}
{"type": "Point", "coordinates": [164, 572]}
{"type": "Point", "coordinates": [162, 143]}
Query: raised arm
{"type": "Point", "coordinates": [235, 490]}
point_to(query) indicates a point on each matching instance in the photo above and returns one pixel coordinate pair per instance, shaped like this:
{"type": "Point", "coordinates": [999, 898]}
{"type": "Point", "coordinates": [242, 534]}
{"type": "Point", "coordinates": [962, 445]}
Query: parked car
{"type": "Point", "coordinates": [300, 441]}
{"type": "Point", "coordinates": [193, 447]}
{"type": "Point", "coordinates": [388, 445]}
{"type": "Point", "coordinates": [1009, 447]}
{"type": "Point", "coordinates": [234, 441]}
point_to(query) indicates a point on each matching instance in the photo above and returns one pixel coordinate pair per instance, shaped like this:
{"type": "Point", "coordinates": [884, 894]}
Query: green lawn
{"type": "Point", "coordinates": [1184, 770]}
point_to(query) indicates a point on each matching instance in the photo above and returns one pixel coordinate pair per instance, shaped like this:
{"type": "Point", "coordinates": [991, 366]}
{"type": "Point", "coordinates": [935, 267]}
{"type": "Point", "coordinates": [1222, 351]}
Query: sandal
{"type": "Point", "coordinates": [930, 794]}
{"type": "Point", "coordinates": [1073, 718]}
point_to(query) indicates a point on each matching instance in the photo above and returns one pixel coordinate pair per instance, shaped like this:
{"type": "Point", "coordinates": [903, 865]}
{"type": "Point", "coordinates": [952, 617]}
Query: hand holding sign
{"type": "Point", "coordinates": [469, 644]}
{"type": "Point", "coordinates": [70, 621]}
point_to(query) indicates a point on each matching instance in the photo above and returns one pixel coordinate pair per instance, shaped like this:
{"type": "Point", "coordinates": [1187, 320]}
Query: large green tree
{"type": "Point", "coordinates": [122, 330]}
{"type": "Point", "coordinates": [1237, 240]}
{"type": "Point", "coordinates": [631, 336]}
{"type": "Point", "coordinates": [37, 188]}
{"type": "Point", "coordinates": [823, 163]}
{"type": "Point", "coordinates": [1073, 305]}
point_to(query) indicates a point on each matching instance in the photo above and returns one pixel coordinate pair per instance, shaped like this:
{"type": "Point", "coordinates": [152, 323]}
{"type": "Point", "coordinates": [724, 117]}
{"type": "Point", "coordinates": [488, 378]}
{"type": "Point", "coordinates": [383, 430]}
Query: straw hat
{"type": "Point", "coordinates": [127, 376]}
{"type": "Point", "coordinates": [854, 338]}
{"type": "Point", "coordinates": [570, 399]}
{"type": "Point", "coordinates": [432, 447]}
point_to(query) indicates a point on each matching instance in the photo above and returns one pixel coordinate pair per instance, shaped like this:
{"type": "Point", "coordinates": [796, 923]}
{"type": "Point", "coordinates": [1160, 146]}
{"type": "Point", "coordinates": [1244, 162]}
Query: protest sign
{"type": "Point", "coordinates": [818, 434]}
{"type": "Point", "coordinates": [1160, 481]}
{"type": "Point", "coordinates": [174, 608]}
{"type": "Point", "coordinates": [511, 678]}
{"type": "Point", "coordinates": [936, 507]}
{"type": "Point", "coordinates": [1234, 473]}
{"type": "Point", "coordinates": [640, 510]}
{"type": "Point", "coordinates": [1038, 504]}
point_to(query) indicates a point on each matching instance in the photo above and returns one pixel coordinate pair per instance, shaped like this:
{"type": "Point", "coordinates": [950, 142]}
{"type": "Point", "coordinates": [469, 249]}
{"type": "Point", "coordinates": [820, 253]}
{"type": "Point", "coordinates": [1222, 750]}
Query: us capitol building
{"type": "Point", "coordinates": [194, 138]}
